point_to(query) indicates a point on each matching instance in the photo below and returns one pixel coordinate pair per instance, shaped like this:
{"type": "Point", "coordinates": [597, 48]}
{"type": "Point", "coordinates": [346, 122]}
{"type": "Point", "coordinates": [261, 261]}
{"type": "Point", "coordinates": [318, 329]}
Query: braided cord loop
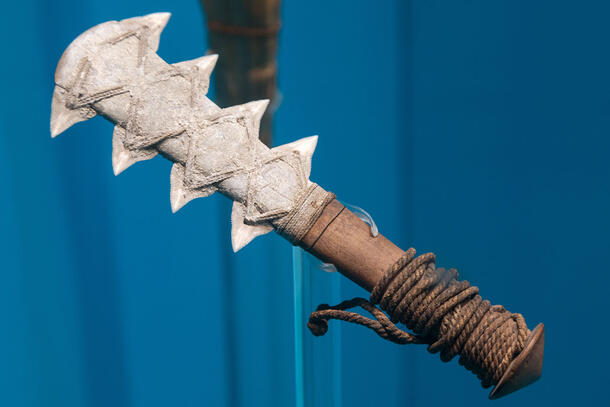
{"type": "Point", "coordinates": [446, 314]}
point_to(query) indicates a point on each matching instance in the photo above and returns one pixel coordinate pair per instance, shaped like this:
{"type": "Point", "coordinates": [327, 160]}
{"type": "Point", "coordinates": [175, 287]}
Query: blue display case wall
{"type": "Point", "coordinates": [479, 130]}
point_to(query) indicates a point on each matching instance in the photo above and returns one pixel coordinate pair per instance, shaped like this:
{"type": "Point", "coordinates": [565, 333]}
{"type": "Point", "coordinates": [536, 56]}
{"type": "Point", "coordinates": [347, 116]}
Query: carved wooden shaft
{"type": "Point", "coordinates": [341, 238]}
{"type": "Point", "coordinates": [362, 258]}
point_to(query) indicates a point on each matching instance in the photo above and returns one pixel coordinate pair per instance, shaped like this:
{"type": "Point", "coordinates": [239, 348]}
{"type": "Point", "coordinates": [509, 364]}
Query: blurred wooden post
{"type": "Point", "coordinates": [244, 33]}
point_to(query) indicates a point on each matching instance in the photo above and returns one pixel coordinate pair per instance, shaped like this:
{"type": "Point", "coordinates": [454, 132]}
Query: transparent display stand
{"type": "Point", "coordinates": [318, 374]}
{"type": "Point", "coordinates": [317, 359]}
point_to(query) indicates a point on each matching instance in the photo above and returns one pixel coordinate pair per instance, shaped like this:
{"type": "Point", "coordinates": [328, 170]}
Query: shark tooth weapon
{"type": "Point", "coordinates": [113, 70]}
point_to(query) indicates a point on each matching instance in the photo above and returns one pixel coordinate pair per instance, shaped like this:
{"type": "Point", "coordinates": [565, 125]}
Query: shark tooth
{"type": "Point", "coordinates": [257, 109]}
{"type": "Point", "coordinates": [304, 147]}
{"type": "Point", "coordinates": [123, 158]}
{"type": "Point", "coordinates": [62, 117]}
{"type": "Point", "coordinates": [155, 23]}
{"type": "Point", "coordinates": [180, 194]}
{"type": "Point", "coordinates": [200, 69]}
{"type": "Point", "coordinates": [252, 110]}
{"type": "Point", "coordinates": [241, 233]}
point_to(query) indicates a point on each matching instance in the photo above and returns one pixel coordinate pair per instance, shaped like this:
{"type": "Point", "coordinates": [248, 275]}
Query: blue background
{"type": "Point", "coordinates": [479, 130]}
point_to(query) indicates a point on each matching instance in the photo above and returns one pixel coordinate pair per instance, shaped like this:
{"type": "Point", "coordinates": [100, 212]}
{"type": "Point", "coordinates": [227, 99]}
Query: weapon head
{"type": "Point", "coordinates": [77, 79]}
{"type": "Point", "coordinates": [113, 70]}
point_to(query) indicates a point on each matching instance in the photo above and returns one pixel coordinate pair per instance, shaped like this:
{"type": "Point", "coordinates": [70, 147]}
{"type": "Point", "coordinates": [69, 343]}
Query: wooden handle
{"type": "Point", "coordinates": [341, 238]}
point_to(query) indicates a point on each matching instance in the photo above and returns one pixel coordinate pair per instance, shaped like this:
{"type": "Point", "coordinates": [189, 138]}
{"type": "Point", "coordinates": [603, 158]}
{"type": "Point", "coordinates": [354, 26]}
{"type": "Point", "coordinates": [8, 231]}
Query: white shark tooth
{"type": "Point", "coordinates": [155, 22]}
{"type": "Point", "coordinates": [253, 110]}
{"type": "Point", "coordinates": [257, 109]}
{"type": "Point", "coordinates": [242, 234]}
{"type": "Point", "coordinates": [180, 194]}
{"type": "Point", "coordinates": [200, 67]}
{"type": "Point", "coordinates": [305, 147]}
{"type": "Point", "coordinates": [62, 117]}
{"type": "Point", "coordinates": [123, 158]}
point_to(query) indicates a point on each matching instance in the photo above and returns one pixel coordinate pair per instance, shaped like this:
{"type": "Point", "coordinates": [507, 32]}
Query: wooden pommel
{"type": "Point", "coordinates": [525, 369]}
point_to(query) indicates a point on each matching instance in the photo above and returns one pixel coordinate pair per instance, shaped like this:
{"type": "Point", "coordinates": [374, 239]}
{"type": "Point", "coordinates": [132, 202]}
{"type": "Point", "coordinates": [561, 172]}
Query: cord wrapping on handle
{"type": "Point", "coordinates": [448, 315]}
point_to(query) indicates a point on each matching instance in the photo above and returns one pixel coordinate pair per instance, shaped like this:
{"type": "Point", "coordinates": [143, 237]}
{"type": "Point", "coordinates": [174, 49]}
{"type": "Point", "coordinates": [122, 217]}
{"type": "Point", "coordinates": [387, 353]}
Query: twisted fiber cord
{"type": "Point", "coordinates": [448, 315]}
